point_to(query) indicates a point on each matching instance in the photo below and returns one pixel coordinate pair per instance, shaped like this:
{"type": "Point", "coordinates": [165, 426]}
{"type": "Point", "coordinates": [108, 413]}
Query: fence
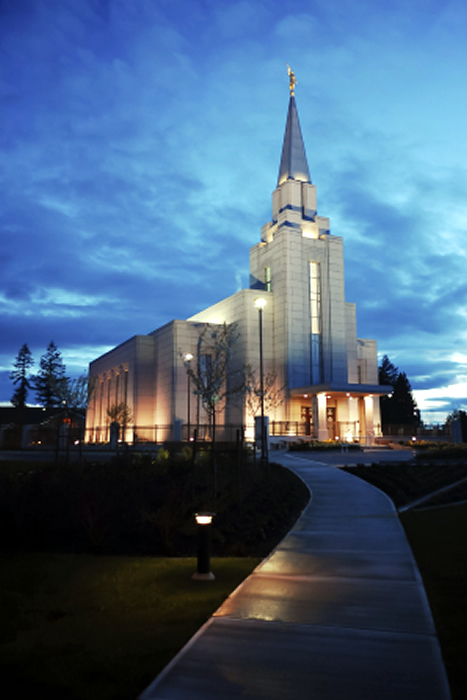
{"type": "Point", "coordinates": [224, 433]}
{"type": "Point", "coordinates": [142, 434]}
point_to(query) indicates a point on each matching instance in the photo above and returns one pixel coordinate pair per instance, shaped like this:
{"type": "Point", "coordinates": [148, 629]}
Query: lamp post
{"type": "Point", "coordinates": [260, 304]}
{"type": "Point", "coordinates": [187, 358]}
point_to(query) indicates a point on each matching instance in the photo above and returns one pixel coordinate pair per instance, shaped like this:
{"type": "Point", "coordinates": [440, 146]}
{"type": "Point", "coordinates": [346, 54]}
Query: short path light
{"type": "Point", "coordinates": [204, 521]}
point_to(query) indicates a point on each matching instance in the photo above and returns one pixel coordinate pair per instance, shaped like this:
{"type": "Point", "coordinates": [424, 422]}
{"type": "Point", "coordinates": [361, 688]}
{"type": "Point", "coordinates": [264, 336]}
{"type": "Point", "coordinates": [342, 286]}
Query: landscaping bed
{"type": "Point", "coordinates": [319, 446]}
{"type": "Point", "coordinates": [146, 506]}
{"type": "Point", "coordinates": [404, 482]}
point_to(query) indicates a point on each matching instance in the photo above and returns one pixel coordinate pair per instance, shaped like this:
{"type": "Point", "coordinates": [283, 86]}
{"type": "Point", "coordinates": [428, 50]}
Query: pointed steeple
{"type": "Point", "coordinates": [294, 164]}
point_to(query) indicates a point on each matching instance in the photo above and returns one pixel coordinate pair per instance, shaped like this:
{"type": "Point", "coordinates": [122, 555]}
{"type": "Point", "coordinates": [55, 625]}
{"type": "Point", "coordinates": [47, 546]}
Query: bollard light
{"type": "Point", "coordinates": [204, 573]}
{"type": "Point", "coordinates": [203, 519]}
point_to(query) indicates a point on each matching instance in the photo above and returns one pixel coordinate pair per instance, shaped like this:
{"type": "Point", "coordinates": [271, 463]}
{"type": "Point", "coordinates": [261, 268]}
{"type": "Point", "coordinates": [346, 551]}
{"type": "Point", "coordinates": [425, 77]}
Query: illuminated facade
{"type": "Point", "coordinates": [328, 375]}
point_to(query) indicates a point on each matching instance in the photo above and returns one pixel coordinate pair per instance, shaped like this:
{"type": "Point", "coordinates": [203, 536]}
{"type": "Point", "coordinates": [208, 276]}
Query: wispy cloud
{"type": "Point", "coordinates": [139, 146]}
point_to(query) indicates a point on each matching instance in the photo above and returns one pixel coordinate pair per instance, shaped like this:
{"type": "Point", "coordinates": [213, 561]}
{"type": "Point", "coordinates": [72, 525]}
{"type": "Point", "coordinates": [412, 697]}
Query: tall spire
{"type": "Point", "coordinates": [294, 164]}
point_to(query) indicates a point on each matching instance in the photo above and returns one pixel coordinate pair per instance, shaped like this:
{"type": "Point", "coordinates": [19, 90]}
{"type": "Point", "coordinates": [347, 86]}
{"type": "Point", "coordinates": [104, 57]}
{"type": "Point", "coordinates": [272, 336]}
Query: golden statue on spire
{"type": "Point", "coordinates": [292, 81]}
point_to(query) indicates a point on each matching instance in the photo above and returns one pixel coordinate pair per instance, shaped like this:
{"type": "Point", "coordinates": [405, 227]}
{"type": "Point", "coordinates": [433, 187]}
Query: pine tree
{"type": "Point", "coordinates": [51, 377]}
{"type": "Point", "coordinates": [20, 376]}
{"type": "Point", "coordinates": [404, 405]}
{"type": "Point", "coordinates": [400, 408]}
{"type": "Point", "coordinates": [387, 372]}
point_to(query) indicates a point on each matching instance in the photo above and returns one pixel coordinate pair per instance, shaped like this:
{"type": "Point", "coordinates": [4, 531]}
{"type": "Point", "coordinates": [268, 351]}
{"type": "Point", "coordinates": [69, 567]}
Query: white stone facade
{"type": "Point", "coordinates": [328, 375]}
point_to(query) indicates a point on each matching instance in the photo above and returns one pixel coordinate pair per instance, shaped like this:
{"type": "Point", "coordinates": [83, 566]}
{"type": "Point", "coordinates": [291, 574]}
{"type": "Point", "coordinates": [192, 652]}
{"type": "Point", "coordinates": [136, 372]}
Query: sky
{"type": "Point", "coordinates": [140, 143]}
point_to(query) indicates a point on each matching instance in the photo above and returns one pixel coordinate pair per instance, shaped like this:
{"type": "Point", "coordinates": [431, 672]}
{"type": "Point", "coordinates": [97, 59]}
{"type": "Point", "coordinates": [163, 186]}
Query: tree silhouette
{"type": "Point", "coordinates": [75, 393]}
{"type": "Point", "coordinates": [387, 372]}
{"type": "Point", "coordinates": [51, 376]}
{"type": "Point", "coordinates": [400, 408]}
{"type": "Point", "coordinates": [404, 405]}
{"type": "Point", "coordinates": [212, 376]}
{"type": "Point", "coordinates": [20, 376]}
{"type": "Point", "coordinates": [273, 394]}
{"type": "Point", "coordinates": [122, 414]}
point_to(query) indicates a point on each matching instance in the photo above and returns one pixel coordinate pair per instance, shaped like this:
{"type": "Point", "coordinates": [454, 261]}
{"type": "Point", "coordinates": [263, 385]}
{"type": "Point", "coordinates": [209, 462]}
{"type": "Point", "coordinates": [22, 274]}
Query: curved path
{"type": "Point", "coordinates": [337, 611]}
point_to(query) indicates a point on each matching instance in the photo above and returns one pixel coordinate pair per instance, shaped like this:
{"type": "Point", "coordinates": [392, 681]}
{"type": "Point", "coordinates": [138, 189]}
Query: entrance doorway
{"type": "Point", "coordinates": [307, 419]}
{"type": "Point", "coordinates": [331, 422]}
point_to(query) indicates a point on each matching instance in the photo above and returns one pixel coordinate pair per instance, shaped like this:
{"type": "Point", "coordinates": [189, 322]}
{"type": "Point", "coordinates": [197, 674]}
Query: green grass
{"type": "Point", "coordinates": [438, 540]}
{"type": "Point", "coordinates": [79, 626]}
{"type": "Point", "coordinates": [21, 466]}
{"type": "Point", "coordinates": [93, 627]}
{"type": "Point", "coordinates": [80, 622]}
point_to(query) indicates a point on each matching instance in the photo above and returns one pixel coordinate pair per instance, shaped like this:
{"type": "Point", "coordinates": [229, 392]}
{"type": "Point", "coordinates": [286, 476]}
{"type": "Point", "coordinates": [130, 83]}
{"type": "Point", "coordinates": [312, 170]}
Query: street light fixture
{"type": "Point", "coordinates": [260, 303]}
{"type": "Point", "coordinates": [187, 358]}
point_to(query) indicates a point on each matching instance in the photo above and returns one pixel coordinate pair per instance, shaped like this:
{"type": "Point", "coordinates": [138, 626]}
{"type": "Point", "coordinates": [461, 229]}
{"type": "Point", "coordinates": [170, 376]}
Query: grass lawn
{"type": "Point", "coordinates": [438, 540]}
{"type": "Point", "coordinates": [80, 626]}
{"type": "Point", "coordinates": [21, 466]}
{"type": "Point", "coordinates": [95, 618]}
{"type": "Point", "coordinates": [100, 627]}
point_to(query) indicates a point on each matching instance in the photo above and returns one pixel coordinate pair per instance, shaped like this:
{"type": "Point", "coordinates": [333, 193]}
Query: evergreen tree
{"type": "Point", "coordinates": [405, 409]}
{"type": "Point", "coordinates": [399, 409]}
{"type": "Point", "coordinates": [51, 377]}
{"type": "Point", "coordinates": [20, 376]}
{"type": "Point", "coordinates": [387, 372]}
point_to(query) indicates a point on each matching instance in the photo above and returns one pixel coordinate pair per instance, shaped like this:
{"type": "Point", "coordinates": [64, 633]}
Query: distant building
{"type": "Point", "coordinates": [329, 376]}
{"type": "Point", "coordinates": [32, 425]}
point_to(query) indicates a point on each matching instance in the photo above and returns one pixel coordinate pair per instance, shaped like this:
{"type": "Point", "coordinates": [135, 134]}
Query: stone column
{"type": "Point", "coordinates": [319, 416]}
{"type": "Point", "coordinates": [369, 418]}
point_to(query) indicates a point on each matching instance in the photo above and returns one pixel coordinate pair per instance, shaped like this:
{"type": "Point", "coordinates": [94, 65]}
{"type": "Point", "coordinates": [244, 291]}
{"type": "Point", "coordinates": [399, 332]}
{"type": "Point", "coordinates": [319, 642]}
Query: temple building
{"type": "Point", "coordinates": [324, 378]}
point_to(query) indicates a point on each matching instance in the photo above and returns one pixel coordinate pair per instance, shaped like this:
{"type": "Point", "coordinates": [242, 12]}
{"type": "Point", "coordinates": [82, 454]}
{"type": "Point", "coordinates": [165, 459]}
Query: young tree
{"type": "Point", "coordinates": [20, 376]}
{"type": "Point", "coordinates": [75, 393]}
{"type": "Point", "coordinates": [273, 395]}
{"type": "Point", "coordinates": [121, 413]}
{"type": "Point", "coordinates": [213, 378]}
{"type": "Point", "coordinates": [51, 377]}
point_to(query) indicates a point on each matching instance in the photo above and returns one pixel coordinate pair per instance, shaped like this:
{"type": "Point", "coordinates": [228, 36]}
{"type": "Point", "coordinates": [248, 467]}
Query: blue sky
{"type": "Point", "coordinates": [139, 146]}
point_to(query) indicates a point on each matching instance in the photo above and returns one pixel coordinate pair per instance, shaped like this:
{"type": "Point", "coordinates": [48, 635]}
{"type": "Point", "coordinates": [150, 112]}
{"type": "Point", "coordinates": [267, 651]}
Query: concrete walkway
{"type": "Point", "coordinates": [336, 612]}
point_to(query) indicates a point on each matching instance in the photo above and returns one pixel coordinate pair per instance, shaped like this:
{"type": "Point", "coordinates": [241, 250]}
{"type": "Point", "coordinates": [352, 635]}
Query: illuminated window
{"type": "Point", "coordinates": [316, 323]}
{"type": "Point", "coordinates": [267, 279]}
